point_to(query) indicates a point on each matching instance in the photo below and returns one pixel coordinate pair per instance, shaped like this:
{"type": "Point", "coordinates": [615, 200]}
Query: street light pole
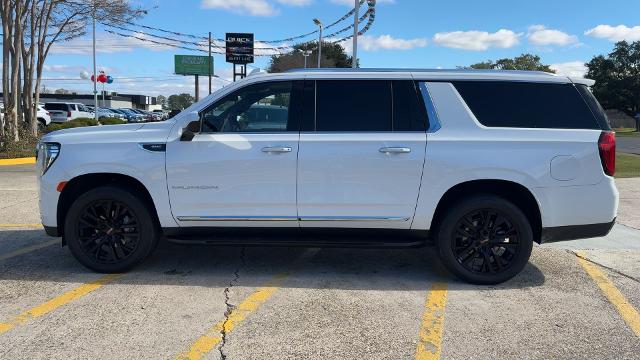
{"type": "Point", "coordinates": [319, 23]}
{"type": "Point", "coordinates": [95, 68]}
{"type": "Point", "coordinates": [356, 14]}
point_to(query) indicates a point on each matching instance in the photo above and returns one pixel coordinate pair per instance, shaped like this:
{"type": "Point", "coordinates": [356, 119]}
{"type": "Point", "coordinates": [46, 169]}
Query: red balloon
{"type": "Point", "coordinates": [102, 78]}
{"type": "Point", "coordinates": [92, 78]}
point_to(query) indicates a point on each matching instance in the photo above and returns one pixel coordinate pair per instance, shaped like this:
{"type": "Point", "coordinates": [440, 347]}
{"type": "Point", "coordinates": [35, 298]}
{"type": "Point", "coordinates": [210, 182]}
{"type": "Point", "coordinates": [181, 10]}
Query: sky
{"type": "Point", "coordinates": [405, 34]}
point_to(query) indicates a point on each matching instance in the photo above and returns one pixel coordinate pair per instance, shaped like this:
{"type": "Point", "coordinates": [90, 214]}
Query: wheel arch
{"type": "Point", "coordinates": [80, 184]}
{"type": "Point", "coordinates": [511, 191]}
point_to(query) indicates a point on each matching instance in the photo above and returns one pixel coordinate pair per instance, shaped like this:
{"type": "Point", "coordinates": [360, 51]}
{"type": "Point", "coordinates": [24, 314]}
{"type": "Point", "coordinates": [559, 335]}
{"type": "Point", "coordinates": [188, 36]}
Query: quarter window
{"type": "Point", "coordinates": [527, 105]}
{"type": "Point", "coordinates": [261, 107]}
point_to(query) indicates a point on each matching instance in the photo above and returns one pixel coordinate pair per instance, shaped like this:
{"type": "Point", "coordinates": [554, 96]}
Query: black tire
{"type": "Point", "coordinates": [482, 254]}
{"type": "Point", "coordinates": [110, 230]}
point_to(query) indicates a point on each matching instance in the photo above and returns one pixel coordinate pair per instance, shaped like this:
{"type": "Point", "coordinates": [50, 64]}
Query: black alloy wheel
{"type": "Point", "coordinates": [485, 239]}
{"type": "Point", "coordinates": [109, 229]}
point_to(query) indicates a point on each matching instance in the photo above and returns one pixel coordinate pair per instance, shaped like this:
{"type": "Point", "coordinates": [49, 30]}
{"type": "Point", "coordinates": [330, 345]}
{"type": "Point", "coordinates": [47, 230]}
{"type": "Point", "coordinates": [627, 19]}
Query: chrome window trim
{"type": "Point", "coordinates": [292, 218]}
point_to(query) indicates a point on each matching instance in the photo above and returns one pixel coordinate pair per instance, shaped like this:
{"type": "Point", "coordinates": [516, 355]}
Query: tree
{"type": "Point", "coordinates": [180, 101]}
{"type": "Point", "coordinates": [333, 56]}
{"type": "Point", "coordinates": [162, 101]}
{"type": "Point", "coordinates": [522, 62]}
{"type": "Point", "coordinates": [617, 77]}
{"type": "Point", "coordinates": [30, 28]}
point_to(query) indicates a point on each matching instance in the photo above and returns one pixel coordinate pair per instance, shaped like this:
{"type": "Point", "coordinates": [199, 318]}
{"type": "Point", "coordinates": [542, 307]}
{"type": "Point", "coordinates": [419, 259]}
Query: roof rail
{"type": "Point", "coordinates": [460, 71]}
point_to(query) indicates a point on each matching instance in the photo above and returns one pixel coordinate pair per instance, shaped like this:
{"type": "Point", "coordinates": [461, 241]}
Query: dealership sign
{"type": "Point", "coordinates": [193, 65]}
{"type": "Point", "coordinates": [239, 48]}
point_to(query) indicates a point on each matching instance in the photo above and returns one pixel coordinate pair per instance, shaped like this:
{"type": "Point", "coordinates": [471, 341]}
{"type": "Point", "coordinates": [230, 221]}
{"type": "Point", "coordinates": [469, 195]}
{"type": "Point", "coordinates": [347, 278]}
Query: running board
{"type": "Point", "coordinates": [337, 238]}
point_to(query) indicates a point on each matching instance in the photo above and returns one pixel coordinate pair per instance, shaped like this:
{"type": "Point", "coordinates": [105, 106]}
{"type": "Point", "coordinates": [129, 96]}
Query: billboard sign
{"type": "Point", "coordinates": [192, 65]}
{"type": "Point", "coordinates": [239, 48]}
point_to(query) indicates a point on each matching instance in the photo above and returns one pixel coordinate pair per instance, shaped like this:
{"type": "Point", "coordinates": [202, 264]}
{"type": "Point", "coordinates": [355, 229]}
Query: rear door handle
{"type": "Point", "coordinates": [395, 150]}
{"type": "Point", "coordinates": [277, 149]}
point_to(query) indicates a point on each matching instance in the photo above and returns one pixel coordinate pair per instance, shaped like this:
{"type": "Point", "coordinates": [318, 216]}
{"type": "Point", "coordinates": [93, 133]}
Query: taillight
{"type": "Point", "coordinates": [68, 113]}
{"type": "Point", "coordinates": [607, 148]}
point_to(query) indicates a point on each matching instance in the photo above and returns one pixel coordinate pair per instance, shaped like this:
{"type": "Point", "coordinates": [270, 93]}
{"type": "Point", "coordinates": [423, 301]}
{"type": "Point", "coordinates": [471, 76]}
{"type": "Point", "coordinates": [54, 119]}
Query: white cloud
{"type": "Point", "coordinates": [477, 40]}
{"type": "Point", "coordinates": [352, 2]}
{"type": "Point", "coordinates": [387, 42]}
{"type": "Point", "coordinates": [541, 36]}
{"type": "Point", "coordinates": [382, 42]}
{"type": "Point", "coordinates": [571, 68]}
{"type": "Point", "coordinates": [295, 2]}
{"type": "Point", "coordinates": [107, 44]}
{"type": "Point", "coordinates": [615, 33]}
{"type": "Point", "coordinates": [250, 7]}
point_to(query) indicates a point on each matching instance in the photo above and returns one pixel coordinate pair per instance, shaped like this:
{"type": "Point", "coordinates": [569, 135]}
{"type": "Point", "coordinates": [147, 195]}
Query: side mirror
{"type": "Point", "coordinates": [193, 127]}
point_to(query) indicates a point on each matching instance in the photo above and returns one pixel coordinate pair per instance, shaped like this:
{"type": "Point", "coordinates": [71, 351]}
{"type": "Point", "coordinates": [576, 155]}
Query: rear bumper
{"type": "Point", "coordinates": [574, 232]}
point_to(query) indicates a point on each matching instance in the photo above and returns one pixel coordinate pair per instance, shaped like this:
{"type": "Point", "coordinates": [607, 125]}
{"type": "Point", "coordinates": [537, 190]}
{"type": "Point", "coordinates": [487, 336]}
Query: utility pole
{"type": "Point", "coordinates": [95, 67]}
{"type": "Point", "coordinates": [197, 88]}
{"type": "Point", "coordinates": [356, 14]}
{"type": "Point", "coordinates": [210, 63]}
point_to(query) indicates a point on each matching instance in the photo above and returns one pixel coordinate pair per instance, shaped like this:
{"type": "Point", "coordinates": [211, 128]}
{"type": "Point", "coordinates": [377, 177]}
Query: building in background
{"type": "Point", "coordinates": [111, 100]}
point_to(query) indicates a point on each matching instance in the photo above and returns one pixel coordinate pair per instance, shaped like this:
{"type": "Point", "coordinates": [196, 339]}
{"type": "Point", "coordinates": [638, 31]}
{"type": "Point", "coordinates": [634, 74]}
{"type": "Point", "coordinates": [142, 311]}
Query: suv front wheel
{"type": "Point", "coordinates": [109, 229]}
{"type": "Point", "coordinates": [485, 239]}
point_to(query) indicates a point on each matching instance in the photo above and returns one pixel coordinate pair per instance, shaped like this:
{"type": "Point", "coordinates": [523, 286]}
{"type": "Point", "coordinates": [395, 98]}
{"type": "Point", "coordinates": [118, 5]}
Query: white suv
{"type": "Point", "coordinates": [63, 111]}
{"type": "Point", "coordinates": [482, 163]}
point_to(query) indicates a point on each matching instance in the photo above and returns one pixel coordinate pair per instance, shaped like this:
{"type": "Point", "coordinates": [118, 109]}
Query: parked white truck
{"type": "Point", "coordinates": [482, 163]}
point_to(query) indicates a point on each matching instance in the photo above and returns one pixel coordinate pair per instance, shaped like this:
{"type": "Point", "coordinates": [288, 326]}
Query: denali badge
{"type": "Point", "coordinates": [195, 187]}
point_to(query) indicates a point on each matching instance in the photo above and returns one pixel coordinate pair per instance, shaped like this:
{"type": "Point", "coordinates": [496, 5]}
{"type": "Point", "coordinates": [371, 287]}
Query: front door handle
{"type": "Point", "coordinates": [395, 150]}
{"type": "Point", "coordinates": [277, 149]}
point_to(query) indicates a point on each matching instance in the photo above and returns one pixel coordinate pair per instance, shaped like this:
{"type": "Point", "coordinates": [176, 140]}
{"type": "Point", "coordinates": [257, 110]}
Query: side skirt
{"type": "Point", "coordinates": [307, 237]}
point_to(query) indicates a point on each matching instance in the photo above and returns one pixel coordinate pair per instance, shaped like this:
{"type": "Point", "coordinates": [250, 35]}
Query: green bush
{"type": "Point", "coordinates": [111, 121]}
{"type": "Point", "coordinates": [79, 122]}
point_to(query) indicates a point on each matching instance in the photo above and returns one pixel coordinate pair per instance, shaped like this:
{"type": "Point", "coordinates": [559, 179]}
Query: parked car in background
{"type": "Point", "coordinates": [44, 117]}
{"type": "Point", "coordinates": [147, 116]}
{"type": "Point", "coordinates": [63, 111]}
{"type": "Point", "coordinates": [131, 116]}
{"type": "Point", "coordinates": [108, 113]}
{"type": "Point", "coordinates": [163, 114]}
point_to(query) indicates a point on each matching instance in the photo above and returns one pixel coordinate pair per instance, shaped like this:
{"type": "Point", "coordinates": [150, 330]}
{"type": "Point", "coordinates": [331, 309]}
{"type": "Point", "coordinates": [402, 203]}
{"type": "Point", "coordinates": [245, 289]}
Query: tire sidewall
{"type": "Point", "coordinates": [515, 215]}
{"type": "Point", "coordinates": [146, 227]}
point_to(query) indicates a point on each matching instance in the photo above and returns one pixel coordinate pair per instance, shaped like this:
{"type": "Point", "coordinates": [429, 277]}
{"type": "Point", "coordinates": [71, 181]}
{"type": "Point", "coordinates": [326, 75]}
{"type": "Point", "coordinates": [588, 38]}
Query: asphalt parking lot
{"type": "Point", "coordinates": [577, 299]}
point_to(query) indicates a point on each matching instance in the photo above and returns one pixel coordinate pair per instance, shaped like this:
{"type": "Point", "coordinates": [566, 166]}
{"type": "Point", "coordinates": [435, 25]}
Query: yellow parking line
{"type": "Point", "coordinates": [30, 226]}
{"type": "Point", "coordinates": [18, 161]}
{"type": "Point", "coordinates": [29, 249]}
{"type": "Point", "coordinates": [56, 302]}
{"type": "Point", "coordinates": [212, 337]}
{"type": "Point", "coordinates": [615, 297]}
{"type": "Point", "coordinates": [430, 337]}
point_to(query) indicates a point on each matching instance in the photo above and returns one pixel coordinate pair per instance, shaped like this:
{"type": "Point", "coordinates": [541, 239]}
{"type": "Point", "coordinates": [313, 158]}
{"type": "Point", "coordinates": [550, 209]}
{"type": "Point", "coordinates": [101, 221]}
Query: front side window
{"type": "Point", "coordinates": [260, 107]}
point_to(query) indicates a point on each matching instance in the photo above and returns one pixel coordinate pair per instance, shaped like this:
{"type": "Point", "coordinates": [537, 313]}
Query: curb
{"type": "Point", "coordinates": [18, 161]}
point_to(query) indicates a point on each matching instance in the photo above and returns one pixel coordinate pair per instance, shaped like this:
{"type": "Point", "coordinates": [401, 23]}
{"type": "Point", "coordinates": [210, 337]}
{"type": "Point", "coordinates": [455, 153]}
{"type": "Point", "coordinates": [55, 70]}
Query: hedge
{"type": "Point", "coordinates": [82, 122]}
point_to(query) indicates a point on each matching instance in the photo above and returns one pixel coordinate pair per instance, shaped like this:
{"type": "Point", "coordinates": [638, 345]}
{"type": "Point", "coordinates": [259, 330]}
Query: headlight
{"type": "Point", "coordinates": [49, 152]}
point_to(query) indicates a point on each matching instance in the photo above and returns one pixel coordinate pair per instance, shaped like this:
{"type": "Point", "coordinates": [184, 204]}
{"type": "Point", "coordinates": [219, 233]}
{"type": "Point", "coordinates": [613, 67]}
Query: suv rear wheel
{"type": "Point", "coordinates": [109, 229]}
{"type": "Point", "coordinates": [485, 240]}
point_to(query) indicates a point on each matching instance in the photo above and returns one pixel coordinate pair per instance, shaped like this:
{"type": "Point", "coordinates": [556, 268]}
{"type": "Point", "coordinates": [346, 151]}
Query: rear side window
{"type": "Point", "coordinates": [409, 112]}
{"type": "Point", "coordinates": [54, 106]}
{"type": "Point", "coordinates": [527, 105]}
{"type": "Point", "coordinates": [595, 107]}
{"type": "Point", "coordinates": [353, 105]}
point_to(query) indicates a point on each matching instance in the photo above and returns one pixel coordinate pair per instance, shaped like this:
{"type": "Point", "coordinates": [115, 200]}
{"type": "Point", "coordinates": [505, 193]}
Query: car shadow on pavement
{"type": "Point", "coordinates": [392, 269]}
